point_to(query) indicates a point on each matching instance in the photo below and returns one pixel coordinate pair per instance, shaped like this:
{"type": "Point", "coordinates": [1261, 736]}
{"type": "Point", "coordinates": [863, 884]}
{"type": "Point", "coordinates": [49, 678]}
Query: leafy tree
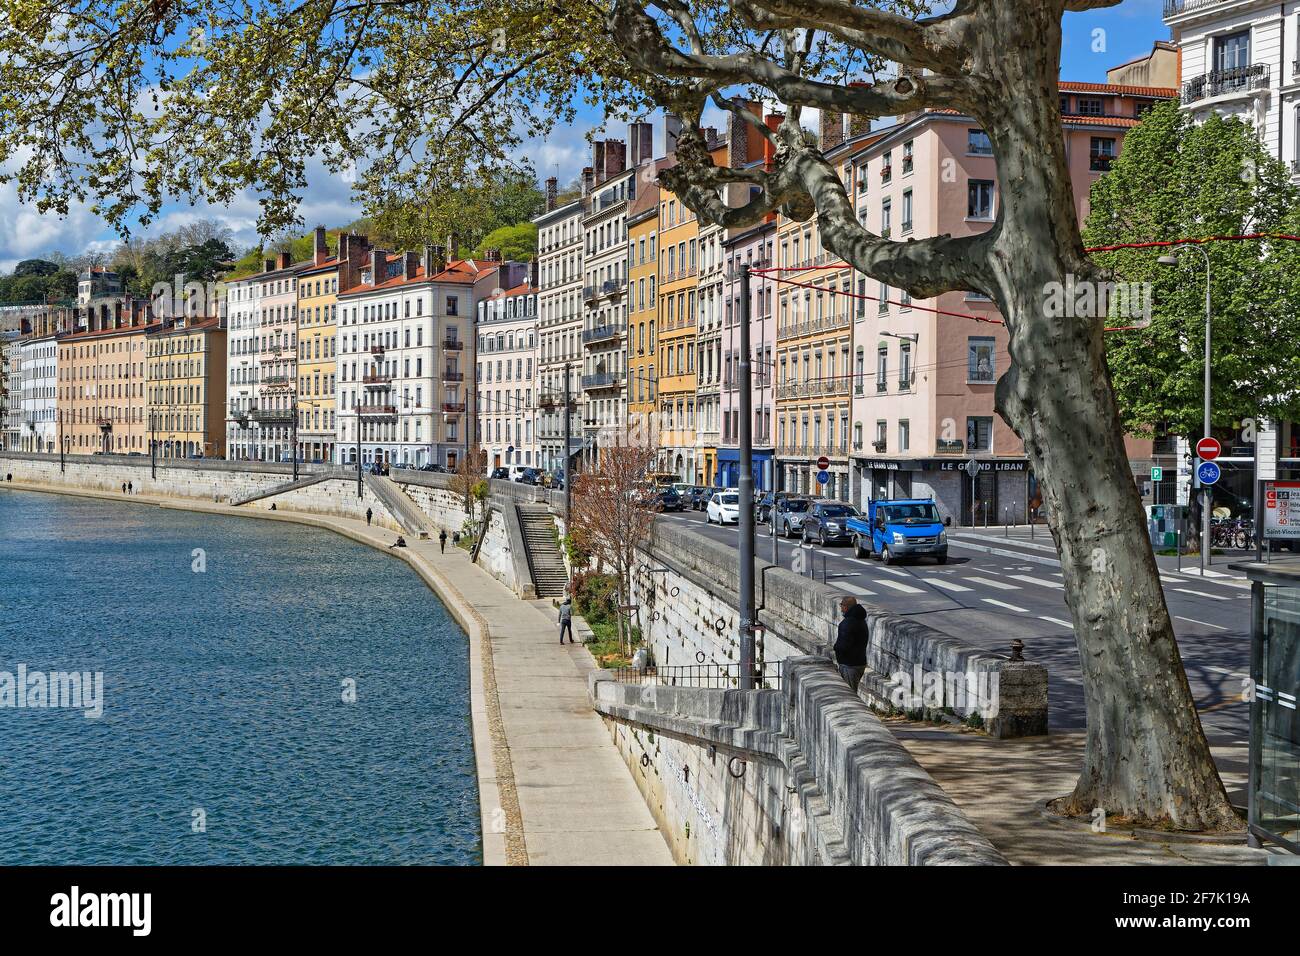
{"type": "Point", "coordinates": [1176, 178]}
{"type": "Point", "coordinates": [35, 267]}
{"type": "Point", "coordinates": [514, 242]}
{"type": "Point", "coordinates": [429, 98]}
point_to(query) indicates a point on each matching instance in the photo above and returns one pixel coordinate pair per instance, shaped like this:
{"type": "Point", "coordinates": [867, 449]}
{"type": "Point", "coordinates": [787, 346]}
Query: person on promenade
{"type": "Point", "coordinates": [130, 488]}
{"type": "Point", "coordinates": [399, 543]}
{"type": "Point", "coordinates": [442, 540]}
{"type": "Point", "coordinates": [369, 515]}
{"type": "Point", "coordinates": [566, 619]}
{"type": "Point", "coordinates": [851, 642]}
{"type": "Point", "coordinates": [124, 487]}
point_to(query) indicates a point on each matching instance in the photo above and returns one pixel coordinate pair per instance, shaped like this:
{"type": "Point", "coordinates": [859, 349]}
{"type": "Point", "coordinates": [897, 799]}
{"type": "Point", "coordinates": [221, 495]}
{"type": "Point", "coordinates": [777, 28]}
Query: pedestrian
{"type": "Point", "coordinates": [399, 543]}
{"type": "Point", "coordinates": [369, 515]}
{"type": "Point", "coordinates": [851, 642]}
{"type": "Point", "coordinates": [442, 540]}
{"type": "Point", "coordinates": [566, 619]}
{"type": "Point", "coordinates": [129, 488]}
{"type": "Point", "coordinates": [124, 487]}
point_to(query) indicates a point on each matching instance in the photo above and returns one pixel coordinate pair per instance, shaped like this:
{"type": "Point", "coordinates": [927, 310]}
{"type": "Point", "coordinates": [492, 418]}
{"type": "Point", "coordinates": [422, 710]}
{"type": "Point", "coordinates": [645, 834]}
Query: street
{"type": "Point", "coordinates": [987, 599]}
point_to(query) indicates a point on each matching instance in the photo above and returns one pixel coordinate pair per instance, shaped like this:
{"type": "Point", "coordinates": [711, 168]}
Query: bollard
{"type": "Point", "coordinates": [1006, 522]}
{"type": "Point", "coordinates": [1178, 546]}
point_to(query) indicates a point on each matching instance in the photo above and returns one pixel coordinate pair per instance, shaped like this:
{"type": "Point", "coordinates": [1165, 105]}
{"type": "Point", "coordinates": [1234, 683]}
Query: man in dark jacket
{"type": "Point", "coordinates": [851, 642]}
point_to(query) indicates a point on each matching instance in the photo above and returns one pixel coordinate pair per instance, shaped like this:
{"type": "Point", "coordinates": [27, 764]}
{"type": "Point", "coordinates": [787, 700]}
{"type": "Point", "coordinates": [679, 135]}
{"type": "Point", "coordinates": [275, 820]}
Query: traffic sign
{"type": "Point", "coordinates": [823, 463]}
{"type": "Point", "coordinates": [1208, 472]}
{"type": "Point", "coordinates": [823, 476]}
{"type": "Point", "coordinates": [972, 467]}
{"type": "Point", "coordinates": [1208, 449]}
{"type": "Point", "coordinates": [1157, 474]}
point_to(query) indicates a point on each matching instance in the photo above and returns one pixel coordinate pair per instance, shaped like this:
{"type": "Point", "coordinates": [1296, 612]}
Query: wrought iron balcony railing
{"type": "Point", "coordinates": [1237, 79]}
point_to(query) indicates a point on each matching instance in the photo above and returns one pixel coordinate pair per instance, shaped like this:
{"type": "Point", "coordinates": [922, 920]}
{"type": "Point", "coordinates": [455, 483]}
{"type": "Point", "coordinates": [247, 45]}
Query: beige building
{"type": "Point", "coordinates": [187, 389]}
{"type": "Point", "coordinates": [102, 405]}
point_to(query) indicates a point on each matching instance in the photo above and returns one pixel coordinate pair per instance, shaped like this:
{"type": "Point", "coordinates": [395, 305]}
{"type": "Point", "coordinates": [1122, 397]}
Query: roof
{"type": "Point", "coordinates": [75, 337]}
{"type": "Point", "coordinates": [1117, 89]}
{"type": "Point", "coordinates": [459, 271]}
{"type": "Point", "coordinates": [203, 325]}
{"type": "Point", "coordinates": [331, 262]}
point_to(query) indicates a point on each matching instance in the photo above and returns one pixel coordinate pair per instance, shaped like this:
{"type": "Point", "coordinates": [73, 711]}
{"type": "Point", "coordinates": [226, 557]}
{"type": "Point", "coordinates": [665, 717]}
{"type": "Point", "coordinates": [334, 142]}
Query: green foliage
{"type": "Point", "coordinates": [37, 280]}
{"type": "Point", "coordinates": [1175, 179]}
{"type": "Point", "coordinates": [514, 242]}
{"type": "Point", "coordinates": [595, 596]}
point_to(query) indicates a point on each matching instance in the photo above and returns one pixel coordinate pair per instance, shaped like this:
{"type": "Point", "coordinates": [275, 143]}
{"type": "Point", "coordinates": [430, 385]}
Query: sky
{"type": "Point", "coordinates": [1093, 42]}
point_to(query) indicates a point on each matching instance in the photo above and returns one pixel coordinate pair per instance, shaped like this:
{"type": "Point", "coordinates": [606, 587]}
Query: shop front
{"type": "Point", "coordinates": [728, 471]}
{"type": "Point", "coordinates": [998, 493]}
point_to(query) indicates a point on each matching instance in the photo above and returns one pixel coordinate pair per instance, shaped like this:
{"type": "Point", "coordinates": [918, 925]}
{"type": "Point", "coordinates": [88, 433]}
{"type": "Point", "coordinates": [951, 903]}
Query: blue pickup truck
{"type": "Point", "coordinates": [903, 528]}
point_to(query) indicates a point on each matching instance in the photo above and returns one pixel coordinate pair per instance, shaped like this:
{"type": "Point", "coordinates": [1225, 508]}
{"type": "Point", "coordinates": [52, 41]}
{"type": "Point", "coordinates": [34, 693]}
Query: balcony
{"type": "Point", "coordinates": [589, 293]}
{"type": "Point", "coordinates": [600, 380]}
{"type": "Point", "coordinates": [105, 423]}
{"type": "Point", "coordinates": [273, 416]}
{"type": "Point", "coordinates": [453, 345]}
{"type": "Point", "coordinates": [377, 379]}
{"type": "Point", "coordinates": [606, 333]}
{"type": "Point", "coordinates": [451, 375]}
{"type": "Point", "coordinates": [949, 446]}
{"type": "Point", "coordinates": [377, 411]}
{"type": "Point", "coordinates": [881, 445]}
{"type": "Point", "coordinates": [1176, 8]}
{"type": "Point", "coordinates": [377, 350]}
{"type": "Point", "coordinates": [981, 376]}
{"type": "Point", "coordinates": [275, 381]}
{"type": "Point", "coordinates": [453, 408]}
{"type": "Point", "coordinates": [612, 287]}
{"type": "Point", "coordinates": [1239, 79]}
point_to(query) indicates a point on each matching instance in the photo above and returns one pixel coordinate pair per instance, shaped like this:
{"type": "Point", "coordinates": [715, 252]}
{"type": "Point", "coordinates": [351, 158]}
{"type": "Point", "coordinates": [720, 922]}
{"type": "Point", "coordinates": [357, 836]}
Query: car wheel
{"type": "Point", "coordinates": [885, 556]}
{"type": "Point", "coordinates": [803, 535]}
{"type": "Point", "coordinates": [821, 537]}
{"type": "Point", "coordinates": [858, 550]}
{"type": "Point", "coordinates": [942, 559]}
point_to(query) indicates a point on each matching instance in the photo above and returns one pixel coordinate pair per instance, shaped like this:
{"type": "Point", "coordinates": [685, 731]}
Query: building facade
{"type": "Point", "coordinates": [559, 309]}
{"type": "Point", "coordinates": [102, 405]}
{"type": "Point", "coordinates": [275, 361]}
{"type": "Point", "coordinates": [243, 321]}
{"type": "Point", "coordinates": [677, 344]}
{"type": "Point", "coordinates": [186, 374]}
{"type": "Point", "coordinates": [506, 374]}
{"type": "Point", "coordinates": [40, 426]}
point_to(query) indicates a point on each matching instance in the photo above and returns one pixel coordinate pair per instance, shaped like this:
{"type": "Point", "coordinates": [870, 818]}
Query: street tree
{"type": "Point", "coordinates": [1178, 178]}
{"type": "Point", "coordinates": [439, 93]}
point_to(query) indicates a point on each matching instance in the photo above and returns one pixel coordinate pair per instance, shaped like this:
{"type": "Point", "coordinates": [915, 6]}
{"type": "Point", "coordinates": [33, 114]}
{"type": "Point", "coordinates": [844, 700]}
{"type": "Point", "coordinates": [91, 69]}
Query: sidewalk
{"type": "Point", "coordinates": [552, 787]}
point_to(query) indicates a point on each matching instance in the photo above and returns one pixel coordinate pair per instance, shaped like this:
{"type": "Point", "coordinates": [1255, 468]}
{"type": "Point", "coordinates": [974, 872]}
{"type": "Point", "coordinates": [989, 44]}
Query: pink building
{"type": "Point", "coordinates": [923, 382]}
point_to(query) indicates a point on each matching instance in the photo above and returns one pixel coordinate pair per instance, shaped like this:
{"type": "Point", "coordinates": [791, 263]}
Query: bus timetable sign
{"type": "Point", "coordinates": [1282, 509]}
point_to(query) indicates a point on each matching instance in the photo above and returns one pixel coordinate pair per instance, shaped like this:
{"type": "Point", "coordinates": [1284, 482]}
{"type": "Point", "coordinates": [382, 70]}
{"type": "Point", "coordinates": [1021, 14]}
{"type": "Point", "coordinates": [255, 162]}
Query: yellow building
{"type": "Point", "coordinates": [317, 317]}
{"type": "Point", "coordinates": [642, 301]}
{"type": "Point", "coordinates": [186, 385]}
{"type": "Point", "coordinates": [678, 281]}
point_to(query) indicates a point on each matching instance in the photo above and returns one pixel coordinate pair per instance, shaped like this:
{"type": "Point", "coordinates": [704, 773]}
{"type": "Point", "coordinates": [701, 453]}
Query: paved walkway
{"type": "Point", "coordinates": [552, 787]}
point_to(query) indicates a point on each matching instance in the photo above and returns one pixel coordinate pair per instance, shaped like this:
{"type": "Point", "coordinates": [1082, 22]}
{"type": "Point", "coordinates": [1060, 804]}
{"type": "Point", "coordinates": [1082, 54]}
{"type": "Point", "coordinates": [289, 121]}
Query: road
{"type": "Point", "coordinates": [987, 599]}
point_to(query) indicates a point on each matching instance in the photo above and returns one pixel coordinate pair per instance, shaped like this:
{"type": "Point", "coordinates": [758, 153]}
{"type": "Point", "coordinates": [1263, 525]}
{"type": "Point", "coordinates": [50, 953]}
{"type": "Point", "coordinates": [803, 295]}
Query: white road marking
{"type": "Point", "coordinates": [854, 589]}
{"type": "Point", "coordinates": [994, 584]}
{"type": "Point", "coordinates": [1206, 623]}
{"type": "Point", "coordinates": [1212, 597]}
{"type": "Point", "coordinates": [905, 588]}
{"type": "Point", "coordinates": [949, 585]}
{"type": "Point", "coordinates": [1224, 670]}
{"type": "Point", "coordinates": [1056, 620]}
{"type": "Point", "coordinates": [895, 571]}
{"type": "Point", "coordinates": [1003, 604]}
{"type": "Point", "coordinates": [1043, 582]}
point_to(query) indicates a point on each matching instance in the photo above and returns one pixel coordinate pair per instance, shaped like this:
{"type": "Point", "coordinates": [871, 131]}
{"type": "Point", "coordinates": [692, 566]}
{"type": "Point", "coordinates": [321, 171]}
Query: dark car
{"type": "Point", "coordinates": [826, 522]}
{"type": "Point", "coordinates": [530, 476]}
{"type": "Point", "coordinates": [699, 498]}
{"type": "Point", "coordinates": [789, 515]}
{"type": "Point", "coordinates": [500, 473]}
{"type": "Point", "coordinates": [666, 500]}
{"type": "Point", "coordinates": [555, 479]}
{"type": "Point", "coordinates": [766, 500]}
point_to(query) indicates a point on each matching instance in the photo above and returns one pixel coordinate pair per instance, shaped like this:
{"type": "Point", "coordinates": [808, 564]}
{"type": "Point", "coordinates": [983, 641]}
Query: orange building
{"type": "Point", "coordinates": [102, 402]}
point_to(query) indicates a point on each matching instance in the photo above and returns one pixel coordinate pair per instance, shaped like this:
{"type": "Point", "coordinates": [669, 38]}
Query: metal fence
{"type": "Point", "coordinates": [715, 676]}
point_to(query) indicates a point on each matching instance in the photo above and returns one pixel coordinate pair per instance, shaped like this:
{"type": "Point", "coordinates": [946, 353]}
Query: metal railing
{"type": "Point", "coordinates": [719, 676]}
{"type": "Point", "coordinates": [1234, 80]}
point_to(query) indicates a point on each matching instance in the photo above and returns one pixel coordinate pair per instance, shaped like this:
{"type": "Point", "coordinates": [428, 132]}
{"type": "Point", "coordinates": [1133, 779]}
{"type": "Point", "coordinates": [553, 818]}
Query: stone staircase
{"type": "Point", "coordinates": [280, 489]}
{"type": "Point", "coordinates": [408, 514]}
{"type": "Point", "coordinates": [545, 562]}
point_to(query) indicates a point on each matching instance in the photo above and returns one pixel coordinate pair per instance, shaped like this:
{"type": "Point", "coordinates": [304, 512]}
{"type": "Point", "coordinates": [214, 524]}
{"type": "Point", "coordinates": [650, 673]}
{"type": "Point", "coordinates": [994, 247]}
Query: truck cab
{"type": "Point", "coordinates": [901, 528]}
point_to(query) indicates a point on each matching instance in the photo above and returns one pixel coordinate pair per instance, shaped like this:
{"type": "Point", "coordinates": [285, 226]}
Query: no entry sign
{"type": "Point", "coordinates": [823, 463]}
{"type": "Point", "coordinates": [1208, 449]}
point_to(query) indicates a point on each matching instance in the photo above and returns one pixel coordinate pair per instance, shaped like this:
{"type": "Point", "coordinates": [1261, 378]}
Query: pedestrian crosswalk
{"type": "Point", "coordinates": [1043, 582]}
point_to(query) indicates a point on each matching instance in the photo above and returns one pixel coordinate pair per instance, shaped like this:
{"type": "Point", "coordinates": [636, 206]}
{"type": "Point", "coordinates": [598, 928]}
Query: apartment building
{"type": "Point", "coordinates": [1242, 58]}
{"type": "Point", "coordinates": [11, 382]}
{"type": "Point", "coordinates": [506, 374]}
{"type": "Point", "coordinates": [643, 304]}
{"type": "Point", "coordinates": [559, 310]}
{"type": "Point", "coordinates": [102, 405]}
{"type": "Point", "coordinates": [275, 358]}
{"type": "Point", "coordinates": [401, 327]}
{"type": "Point", "coordinates": [678, 288]}
{"type": "Point", "coordinates": [924, 372]}
{"type": "Point", "coordinates": [186, 388]}
{"type": "Point", "coordinates": [708, 352]}
{"type": "Point", "coordinates": [243, 322]}
{"type": "Point", "coordinates": [39, 364]}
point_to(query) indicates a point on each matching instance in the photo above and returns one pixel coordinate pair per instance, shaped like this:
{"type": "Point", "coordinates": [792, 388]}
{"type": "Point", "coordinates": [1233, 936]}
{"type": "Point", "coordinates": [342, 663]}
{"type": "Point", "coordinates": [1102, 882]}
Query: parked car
{"type": "Point", "coordinates": [526, 475]}
{"type": "Point", "coordinates": [827, 522]}
{"type": "Point", "coordinates": [905, 527]}
{"type": "Point", "coordinates": [554, 479]}
{"type": "Point", "coordinates": [789, 515]}
{"type": "Point", "coordinates": [700, 497]}
{"type": "Point", "coordinates": [666, 499]}
{"type": "Point", "coordinates": [500, 474]}
{"type": "Point", "coordinates": [724, 508]}
{"type": "Point", "coordinates": [766, 500]}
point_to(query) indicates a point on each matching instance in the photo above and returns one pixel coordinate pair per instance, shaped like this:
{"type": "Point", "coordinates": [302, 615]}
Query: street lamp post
{"type": "Point", "coordinates": [1206, 497]}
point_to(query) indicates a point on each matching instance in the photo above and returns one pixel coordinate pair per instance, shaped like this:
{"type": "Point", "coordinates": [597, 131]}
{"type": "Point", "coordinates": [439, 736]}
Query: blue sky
{"type": "Point", "coordinates": [1092, 43]}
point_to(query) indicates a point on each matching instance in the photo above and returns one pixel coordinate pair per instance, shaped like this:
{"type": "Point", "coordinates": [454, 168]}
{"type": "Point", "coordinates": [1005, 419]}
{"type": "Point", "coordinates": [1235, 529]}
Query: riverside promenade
{"type": "Point", "coordinates": [552, 788]}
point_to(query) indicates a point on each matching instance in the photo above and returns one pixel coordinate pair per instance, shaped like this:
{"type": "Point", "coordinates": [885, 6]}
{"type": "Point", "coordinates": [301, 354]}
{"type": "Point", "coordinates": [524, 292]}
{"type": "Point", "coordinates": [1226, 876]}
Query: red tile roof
{"type": "Point", "coordinates": [1161, 92]}
{"type": "Point", "coordinates": [458, 271]}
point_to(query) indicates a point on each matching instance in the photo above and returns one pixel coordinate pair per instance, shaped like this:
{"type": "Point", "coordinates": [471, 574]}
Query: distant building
{"type": "Point", "coordinates": [506, 369]}
{"type": "Point", "coordinates": [1157, 68]}
{"type": "Point", "coordinates": [560, 270]}
{"type": "Point", "coordinates": [187, 389]}
{"type": "Point", "coordinates": [97, 283]}
{"type": "Point", "coordinates": [39, 388]}
{"type": "Point", "coordinates": [102, 405]}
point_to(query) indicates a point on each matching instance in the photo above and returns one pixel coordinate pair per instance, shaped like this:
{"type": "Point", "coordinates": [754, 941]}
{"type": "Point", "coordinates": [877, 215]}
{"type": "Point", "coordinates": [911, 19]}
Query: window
{"type": "Point", "coordinates": [882, 368]}
{"type": "Point", "coordinates": [887, 168]}
{"type": "Point", "coordinates": [907, 211]}
{"type": "Point", "coordinates": [979, 199]}
{"type": "Point", "coordinates": [886, 217]}
{"type": "Point", "coordinates": [1101, 153]}
{"type": "Point", "coordinates": [1232, 52]}
{"type": "Point", "coordinates": [904, 435]}
{"type": "Point", "coordinates": [980, 360]}
{"type": "Point", "coordinates": [905, 367]}
{"type": "Point", "coordinates": [1091, 106]}
{"type": "Point", "coordinates": [979, 434]}
{"type": "Point", "coordinates": [907, 157]}
{"type": "Point", "coordinates": [978, 143]}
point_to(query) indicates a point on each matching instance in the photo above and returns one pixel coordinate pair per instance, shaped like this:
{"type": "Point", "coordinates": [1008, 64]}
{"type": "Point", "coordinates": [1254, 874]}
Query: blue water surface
{"type": "Point", "coordinates": [224, 694]}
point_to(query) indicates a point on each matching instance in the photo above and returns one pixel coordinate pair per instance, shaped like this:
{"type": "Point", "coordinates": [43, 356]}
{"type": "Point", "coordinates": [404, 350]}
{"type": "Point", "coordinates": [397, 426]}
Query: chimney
{"type": "Point", "coordinates": [533, 275]}
{"type": "Point", "coordinates": [588, 180]}
{"type": "Point", "coordinates": [285, 260]}
{"type": "Point", "coordinates": [435, 260]}
{"type": "Point", "coordinates": [859, 125]}
{"type": "Point", "coordinates": [320, 246]}
{"type": "Point", "coordinates": [494, 255]}
{"type": "Point", "coordinates": [410, 263]}
{"type": "Point", "coordinates": [552, 193]}
{"type": "Point", "coordinates": [773, 121]}
{"type": "Point", "coordinates": [343, 248]}
{"type": "Point", "coordinates": [615, 157]}
{"type": "Point", "coordinates": [598, 159]}
{"type": "Point", "coordinates": [453, 246]}
{"type": "Point", "coordinates": [832, 130]}
{"type": "Point", "coordinates": [268, 265]}
{"type": "Point", "coordinates": [641, 143]}
{"type": "Point", "coordinates": [378, 266]}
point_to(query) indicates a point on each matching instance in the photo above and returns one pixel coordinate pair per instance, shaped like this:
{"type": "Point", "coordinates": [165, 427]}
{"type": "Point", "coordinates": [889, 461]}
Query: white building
{"type": "Point", "coordinates": [506, 373]}
{"type": "Point", "coordinates": [243, 309]}
{"type": "Point", "coordinates": [708, 360]}
{"type": "Point", "coordinates": [403, 332]}
{"type": "Point", "coordinates": [559, 310]}
{"type": "Point", "coordinates": [12, 364]}
{"type": "Point", "coordinates": [40, 427]}
{"type": "Point", "coordinates": [1242, 58]}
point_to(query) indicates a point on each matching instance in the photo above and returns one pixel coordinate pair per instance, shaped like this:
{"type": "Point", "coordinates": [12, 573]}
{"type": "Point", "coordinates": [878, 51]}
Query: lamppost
{"type": "Point", "coordinates": [1206, 496]}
